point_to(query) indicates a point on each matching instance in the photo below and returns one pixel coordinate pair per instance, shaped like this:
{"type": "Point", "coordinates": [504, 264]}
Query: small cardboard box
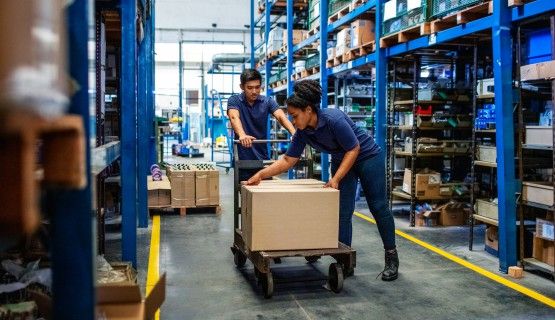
{"type": "Point", "coordinates": [273, 219]}
{"type": "Point", "coordinates": [362, 32]}
{"type": "Point", "coordinates": [427, 183]}
{"type": "Point", "coordinates": [124, 302]}
{"type": "Point", "coordinates": [207, 186]}
{"type": "Point", "coordinates": [452, 214]}
{"type": "Point", "coordinates": [183, 187]}
{"type": "Point", "coordinates": [515, 272]}
{"type": "Point", "coordinates": [298, 36]}
{"type": "Point", "coordinates": [492, 238]}
{"type": "Point", "coordinates": [538, 71]}
{"type": "Point", "coordinates": [159, 192]}
{"type": "Point", "coordinates": [543, 250]}
{"type": "Point", "coordinates": [426, 219]}
{"type": "Point", "coordinates": [538, 192]}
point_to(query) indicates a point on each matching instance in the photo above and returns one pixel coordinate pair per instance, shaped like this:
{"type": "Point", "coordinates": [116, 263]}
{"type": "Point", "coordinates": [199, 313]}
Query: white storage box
{"type": "Point", "coordinates": [538, 192]}
{"type": "Point", "coordinates": [541, 136]}
{"type": "Point", "coordinates": [487, 153]}
{"type": "Point", "coordinates": [487, 209]}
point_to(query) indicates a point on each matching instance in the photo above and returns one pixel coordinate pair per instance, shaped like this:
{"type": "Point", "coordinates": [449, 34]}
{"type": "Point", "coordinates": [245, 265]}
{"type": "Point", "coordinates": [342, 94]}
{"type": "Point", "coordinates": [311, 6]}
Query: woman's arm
{"type": "Point", "coordinates": [346, 165]}
{"type": "Point", "coordinates": [281, 165]}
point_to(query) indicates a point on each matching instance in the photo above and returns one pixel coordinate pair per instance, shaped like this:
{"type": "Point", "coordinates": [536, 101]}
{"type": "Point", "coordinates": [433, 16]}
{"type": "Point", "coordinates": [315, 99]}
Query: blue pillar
{"type": "Point", "coordinates": [252, 27]}
{"type": "Point", "coordinates": [506, 183]}
{"type": "Point", "coordinates": [153, 151]}
{"type": "Point", "coordinates": [268, 66]}
{"type": "Point", "coordinates": [180, 93]}
{"type": "Point", "coordinates": [73, 247]}
{"type": "Point", "coordinates": [324, 75]}
{"type": "Point", "coordinates": [129, 130]}
{"type": "Point", "coordinates": [381, 83]}
{"type": "Point", "coordinates": [142, 128]}
{"type": "Point", "coordinates": [290, 57]}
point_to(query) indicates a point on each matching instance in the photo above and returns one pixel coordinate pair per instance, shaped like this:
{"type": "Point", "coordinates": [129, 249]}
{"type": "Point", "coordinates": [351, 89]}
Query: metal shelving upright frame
{"type": "Point", "coordinates": [500, 24]}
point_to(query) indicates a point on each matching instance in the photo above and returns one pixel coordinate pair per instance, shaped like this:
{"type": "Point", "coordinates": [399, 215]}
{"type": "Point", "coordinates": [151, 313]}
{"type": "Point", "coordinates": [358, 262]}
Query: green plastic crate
{"type": "Point", "coordinates": [313, 61]}
{"type": "Point", "coordinates": [336, 5]}
{"type": "Point", "coordinates": [404, 19]}
{"type": "Point", "coordinates": [440, 8]}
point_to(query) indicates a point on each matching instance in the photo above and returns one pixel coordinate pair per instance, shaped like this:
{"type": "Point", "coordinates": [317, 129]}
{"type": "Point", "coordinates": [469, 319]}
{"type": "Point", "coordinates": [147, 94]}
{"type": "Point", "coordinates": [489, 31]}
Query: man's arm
{"type": "Point", "coordinates": [234, 117]}
{"type": "Point", "coordinates": [284, 121]}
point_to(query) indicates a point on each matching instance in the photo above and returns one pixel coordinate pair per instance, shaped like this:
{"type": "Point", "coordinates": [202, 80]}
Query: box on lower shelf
{"type": "Point", "coordinates": [538, 192]}
{"type": "Point", "coordinates": [486, 209]}
{"type": "Point", "coordinates": [544, 250]}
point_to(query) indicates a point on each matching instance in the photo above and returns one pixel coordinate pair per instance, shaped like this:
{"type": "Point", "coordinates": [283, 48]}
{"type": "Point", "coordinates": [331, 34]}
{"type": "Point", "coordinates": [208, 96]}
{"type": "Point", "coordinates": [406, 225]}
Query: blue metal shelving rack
{"type": "Point", "coordinates": [500, 23]}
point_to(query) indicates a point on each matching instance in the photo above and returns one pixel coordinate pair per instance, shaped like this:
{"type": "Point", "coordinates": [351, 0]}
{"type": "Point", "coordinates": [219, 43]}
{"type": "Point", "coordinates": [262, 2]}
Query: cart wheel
{"type": "Point", "coordinates": [239, 258]}
{"type": "Point", "coordinates": [258, 275]}
{"type": "Point", "coordinates": [312, 259]}
{"type": "Point", "coordinates": [267, 284]}
{"type": "Point", "coordinates": [335, 277]}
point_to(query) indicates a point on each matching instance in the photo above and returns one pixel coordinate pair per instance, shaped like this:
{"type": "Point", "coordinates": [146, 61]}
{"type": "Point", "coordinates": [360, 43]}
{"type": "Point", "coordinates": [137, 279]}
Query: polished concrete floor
{"type": "Point", "coordinates": [203, 282]}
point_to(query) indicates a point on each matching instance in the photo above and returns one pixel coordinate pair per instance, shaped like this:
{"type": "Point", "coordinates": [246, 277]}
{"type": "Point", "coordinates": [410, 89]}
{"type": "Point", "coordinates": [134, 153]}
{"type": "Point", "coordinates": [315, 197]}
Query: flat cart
{"type": "Point", "coordinates": [344, 255]}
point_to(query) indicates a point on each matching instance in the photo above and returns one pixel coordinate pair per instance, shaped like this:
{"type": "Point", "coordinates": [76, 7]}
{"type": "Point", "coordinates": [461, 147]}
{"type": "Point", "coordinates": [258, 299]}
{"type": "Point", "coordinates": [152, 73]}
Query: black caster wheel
{"type": "Point", "coordinates": [239, 258]}
{"type": "Point", "coordinates": [335, 277]}
{"type": "Point", "coordinates": [312, 259]}
{"type": "Point", "coordinates": [267, 284]}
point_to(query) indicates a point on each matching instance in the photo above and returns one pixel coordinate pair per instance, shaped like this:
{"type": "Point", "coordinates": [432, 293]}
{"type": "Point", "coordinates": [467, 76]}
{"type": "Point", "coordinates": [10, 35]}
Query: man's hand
{"type": "Point", "coordinates": [332, 183]}
{"type": "Point", "coordinates": [246, 140]}
{"type": "Point", "coordinates": [254, 180]}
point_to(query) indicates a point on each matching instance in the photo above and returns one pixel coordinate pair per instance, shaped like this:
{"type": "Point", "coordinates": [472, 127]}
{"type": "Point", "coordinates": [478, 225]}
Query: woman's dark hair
{"type": "Point", "coordinates": [305, 93]}
{"type": "Point", "coordinates": [250, 75]}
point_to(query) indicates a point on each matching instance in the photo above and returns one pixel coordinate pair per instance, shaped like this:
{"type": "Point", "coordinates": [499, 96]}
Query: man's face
{"type": "Point", "coordinates": [251, 89]}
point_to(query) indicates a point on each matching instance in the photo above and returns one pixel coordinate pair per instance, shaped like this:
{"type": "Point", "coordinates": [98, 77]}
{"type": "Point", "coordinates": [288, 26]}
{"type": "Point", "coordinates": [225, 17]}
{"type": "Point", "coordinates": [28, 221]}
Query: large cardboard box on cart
{"type": "Point", "coordinates": [289, 217]}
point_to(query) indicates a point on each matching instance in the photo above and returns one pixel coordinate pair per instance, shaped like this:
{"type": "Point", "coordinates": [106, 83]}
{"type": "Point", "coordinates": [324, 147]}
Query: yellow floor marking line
{"type": "Point", "coordinates": [515, 286]}
{"type": "Point", "coordinates": [153, 272]}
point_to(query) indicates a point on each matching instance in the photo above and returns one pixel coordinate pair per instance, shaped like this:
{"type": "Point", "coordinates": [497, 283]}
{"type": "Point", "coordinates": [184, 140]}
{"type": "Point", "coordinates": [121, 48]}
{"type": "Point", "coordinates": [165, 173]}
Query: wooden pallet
{"type": "Point", "coordinates": [298, 4]}
{"type": "Point", "coordinates": [461, 17]}
{"type": "Point", "coordinates": [338, 59]}
{"type": "Point", "coordinates": [329, 63]}
{"type": "Point", "coordinates": [405, 35]}
{"type": "Point", "coordinates": [312, 32]}
{"type": "Point", "coordinates": [356, 3]}
{"type": "Point", "coordinates": [516, 3]}
{"type": "Point", "coordinates": [272, 54]}
{"type": "Point", "coordinates": [339, 14]}
{"type": "Point", "coordinates": [183, 211]}
{"type": "Point", "coordinates": [61, 145]}
{"type": "Point", "coordinates": [362, 50]}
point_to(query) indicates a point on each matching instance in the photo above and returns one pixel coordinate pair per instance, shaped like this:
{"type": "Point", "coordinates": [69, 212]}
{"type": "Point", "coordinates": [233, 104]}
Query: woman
{"type": "Point", "coordinates": [355, 155]}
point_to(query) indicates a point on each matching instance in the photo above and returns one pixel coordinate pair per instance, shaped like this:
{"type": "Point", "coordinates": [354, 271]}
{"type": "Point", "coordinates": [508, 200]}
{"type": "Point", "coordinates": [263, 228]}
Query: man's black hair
{"type": "Point", "coordinates": [305, 93]}
{"type": "Point", "coordinates": [250, 75]}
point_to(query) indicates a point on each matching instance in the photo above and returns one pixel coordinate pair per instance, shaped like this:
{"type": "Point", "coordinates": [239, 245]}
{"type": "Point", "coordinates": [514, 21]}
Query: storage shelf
{"type": "Point", "coordinates": [430, 128]}
{"type": "Point", "coordinates": [536, 205]}
{"type": "Point", "coordinates": [486, 131]}
{"type": "Point", "coordinates": [485, 219]}
{"type": "Point", "coordinates": [538, 265]}
{"type": "Point", "coordinates": [405, 102]}
{"type": "Point", "coordinates": [485, 164]}
{"type": "Point", "coordinates": [537, 147]}
{"type": "Point", "coordinates": [432, 154]}
{"type": "Point", "coordinates": [404, 195]}
{"type": "Point", "coordinates": [485, 96]}
{"type": "Point", "coordinates": [348, 18]}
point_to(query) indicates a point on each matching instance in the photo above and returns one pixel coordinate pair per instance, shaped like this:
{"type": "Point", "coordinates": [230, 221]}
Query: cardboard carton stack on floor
{"type": "Point", "coordinates": [159, 192]}
{"type": "Point", "coordinates": [290, 215]}
{"type": "Point", "coordinates": [195, 185]}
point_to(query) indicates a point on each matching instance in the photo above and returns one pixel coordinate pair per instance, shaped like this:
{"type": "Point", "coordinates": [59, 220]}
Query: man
{"type": "Point", "coordinates": [248, 113]}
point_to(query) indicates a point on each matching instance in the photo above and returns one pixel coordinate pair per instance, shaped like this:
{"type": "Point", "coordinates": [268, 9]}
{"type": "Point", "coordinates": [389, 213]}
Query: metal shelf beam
{"type": "Point", "coordinates": [532, 9]}
{"type": "Point", "coordinates": [324, 77]}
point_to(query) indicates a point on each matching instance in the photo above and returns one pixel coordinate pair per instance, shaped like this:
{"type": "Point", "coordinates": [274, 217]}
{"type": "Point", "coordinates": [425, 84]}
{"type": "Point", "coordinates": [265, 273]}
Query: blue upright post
{"type": "Point", "coordinates": [73, 248]}
{"type": "Point", "coordinates": [506, 184]}
{"type": "Point", "coordinates": [268, 65]}
{"type": "Point", "coordinates": [153, 158]}
{"type": "Point", "coordinates": [381, 82]}
{"type": "Point", "coordinates": [180, 118]}
{"type": "Point", "coordinates": [290, 57]}
{"type": "Point", "coordinates": [129, 131]}
{"type": "Point", "coordinates": [324, 75]}
{"type": "Point", "coordinates": [142, 129]}
{"type": "Point", "coordinates": [253, 62]}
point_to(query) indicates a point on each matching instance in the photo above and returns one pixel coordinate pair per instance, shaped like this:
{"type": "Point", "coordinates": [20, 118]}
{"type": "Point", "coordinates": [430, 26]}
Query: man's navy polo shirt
{"type": "Point", "coordinates": [335, 134]}
{"type": "Point", "coordinates": [255, 123]}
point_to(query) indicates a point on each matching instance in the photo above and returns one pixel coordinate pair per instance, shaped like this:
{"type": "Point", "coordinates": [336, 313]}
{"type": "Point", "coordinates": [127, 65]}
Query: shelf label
{"type": "Point", "coordinates": [432, 39]}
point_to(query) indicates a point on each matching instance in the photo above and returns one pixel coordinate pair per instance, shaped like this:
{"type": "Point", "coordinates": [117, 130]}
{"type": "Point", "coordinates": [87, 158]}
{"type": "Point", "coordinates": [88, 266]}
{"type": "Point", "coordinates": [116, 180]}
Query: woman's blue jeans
{"type": "Point", "coordinates": [371, 173]}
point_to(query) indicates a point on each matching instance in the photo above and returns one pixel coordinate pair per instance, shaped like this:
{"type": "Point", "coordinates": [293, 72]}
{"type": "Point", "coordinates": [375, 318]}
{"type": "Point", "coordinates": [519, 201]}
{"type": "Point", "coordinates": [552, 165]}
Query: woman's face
{"type": "Point", "coordinates": [300, 118]}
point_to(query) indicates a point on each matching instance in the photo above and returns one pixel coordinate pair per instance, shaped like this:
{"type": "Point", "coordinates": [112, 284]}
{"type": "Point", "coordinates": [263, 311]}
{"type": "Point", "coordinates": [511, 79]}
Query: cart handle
{"type": "Point", "coordinates": [263, 141]}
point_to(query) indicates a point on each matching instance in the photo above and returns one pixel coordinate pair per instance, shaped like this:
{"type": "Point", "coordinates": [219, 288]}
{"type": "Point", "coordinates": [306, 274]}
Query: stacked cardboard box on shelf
{"type": "Point", "coordinates": [273, 219]}
{"type": "Point", "coordinates": [362, 32]}
{"type": "Point", "coordinates": [194, 185]}
{"type": "Point", "coordinates": [427, 183]}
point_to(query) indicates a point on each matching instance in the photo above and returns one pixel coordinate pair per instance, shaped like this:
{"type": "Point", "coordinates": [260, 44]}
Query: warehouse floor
{"type": "Point", "coordinates": [203, 282]}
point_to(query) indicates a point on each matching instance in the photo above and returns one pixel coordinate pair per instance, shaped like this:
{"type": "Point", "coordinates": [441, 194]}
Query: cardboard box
{"type": "Point", "coordinates": [183, 187]}
{"type": "Point", "coordinates": [539, 135]}
{"type": "Point", "coordinates": [427, 183]}
{"type": "Point", "coordinates": [207, 187]}
{"type": "Point", "coordinates": [125, 301]}
{"type": "Point", "coordinates": [452, 214]}
{"type": "Point", "coordinates": [298, 36]}
{"type": "Point", "coordinates": [543, 250]}
{"type": "Point", "coordinates": [292, 182]}
{"type": "Point", "coordinates": [159, 192]}
{"type": "Point", "coordinates": [272, 218]}
{"type": "Point", "coordinates": [426, 219]}
{"type": "Point", "coordinates": [492, 238]}
{"type": "Point", "coordinates": [515, 272]}
{"type": "Point", "coordinates": [362, 32]}
{"type": "Point", "coordinates": [343, 39]}
{"type": "Point", "coordinates": [538, 192]}
{"type": "Point", "coordinates": [538, 71]}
